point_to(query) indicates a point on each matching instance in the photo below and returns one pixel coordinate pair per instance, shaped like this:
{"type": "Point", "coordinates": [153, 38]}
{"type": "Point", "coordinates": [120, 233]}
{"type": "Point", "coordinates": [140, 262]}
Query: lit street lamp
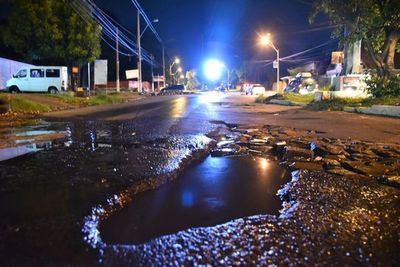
{"type": "Point", "coordinates": [265, 40]}
{"type": "Point", "coordinates": [172, 74]}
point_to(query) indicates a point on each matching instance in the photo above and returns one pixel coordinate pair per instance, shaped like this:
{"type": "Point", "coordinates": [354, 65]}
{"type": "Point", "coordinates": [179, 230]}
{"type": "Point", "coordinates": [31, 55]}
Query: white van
{"type": "Point", "coordinates": [39, 79]}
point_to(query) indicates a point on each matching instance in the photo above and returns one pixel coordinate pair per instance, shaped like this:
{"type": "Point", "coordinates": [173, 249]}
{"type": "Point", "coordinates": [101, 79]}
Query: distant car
{"type": "Point", "coordinates": [334, 70]}
{"type": "Point", "coordinates": [173, 88]}
{"type": "Point", "coordinates": [255, 89]}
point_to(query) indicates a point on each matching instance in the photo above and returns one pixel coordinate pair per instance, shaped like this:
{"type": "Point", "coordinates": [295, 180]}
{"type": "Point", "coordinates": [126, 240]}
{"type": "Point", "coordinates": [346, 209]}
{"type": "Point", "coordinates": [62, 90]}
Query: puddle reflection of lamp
{"type": "Point", "coordinates": [264, 163]}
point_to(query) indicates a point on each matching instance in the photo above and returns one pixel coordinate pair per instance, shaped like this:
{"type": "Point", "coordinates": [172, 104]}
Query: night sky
{"type": "Point", "coordinates": [226, 29]}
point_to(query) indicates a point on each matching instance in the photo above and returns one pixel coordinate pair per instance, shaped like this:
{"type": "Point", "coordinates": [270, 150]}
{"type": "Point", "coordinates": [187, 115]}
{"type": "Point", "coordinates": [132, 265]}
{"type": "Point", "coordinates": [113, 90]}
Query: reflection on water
{"type": "Point", "coordinates": [15, 142]}
{"type": "Point", "coordinates": [216, 191]}
{"type": "Point", "coordinates": [179, 107]}
{"type": "Point", "coordinates": [13, 152]}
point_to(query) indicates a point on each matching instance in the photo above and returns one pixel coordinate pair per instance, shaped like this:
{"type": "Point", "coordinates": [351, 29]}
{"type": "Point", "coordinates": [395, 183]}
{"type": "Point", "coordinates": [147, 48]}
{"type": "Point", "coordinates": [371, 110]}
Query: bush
{"type": "Point", "coordinates": [381, 86]}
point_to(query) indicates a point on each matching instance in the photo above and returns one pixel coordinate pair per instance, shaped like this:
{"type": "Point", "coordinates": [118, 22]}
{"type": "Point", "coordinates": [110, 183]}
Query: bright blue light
{"type": "Point", "coordinates": [213, 69]}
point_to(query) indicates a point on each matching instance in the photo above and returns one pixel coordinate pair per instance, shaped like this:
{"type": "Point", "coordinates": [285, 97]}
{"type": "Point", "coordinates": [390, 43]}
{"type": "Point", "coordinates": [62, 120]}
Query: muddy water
{"type": "Point", "coordinates": [214, 192]}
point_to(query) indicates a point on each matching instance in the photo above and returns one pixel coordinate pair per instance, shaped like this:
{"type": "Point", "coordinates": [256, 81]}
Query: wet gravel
{"type": "Point", "coordinates": [336, 211]}
{"type": "Point", "coordinates": [327, 220]}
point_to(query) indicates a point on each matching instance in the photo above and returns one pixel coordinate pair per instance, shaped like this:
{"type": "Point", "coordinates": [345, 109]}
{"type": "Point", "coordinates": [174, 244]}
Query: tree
{"type": "Point", "coordinates": [375, 22]}
{"type": "Point", "coordinates": [51, 32]}
{"type": "Point", "coordinates": [192, 81]}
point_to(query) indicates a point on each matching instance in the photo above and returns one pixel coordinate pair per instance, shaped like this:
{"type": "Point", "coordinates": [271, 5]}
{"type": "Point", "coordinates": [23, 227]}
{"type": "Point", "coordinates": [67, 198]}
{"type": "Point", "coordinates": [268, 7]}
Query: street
{"type": "Point", "coordinates": [80, 172]}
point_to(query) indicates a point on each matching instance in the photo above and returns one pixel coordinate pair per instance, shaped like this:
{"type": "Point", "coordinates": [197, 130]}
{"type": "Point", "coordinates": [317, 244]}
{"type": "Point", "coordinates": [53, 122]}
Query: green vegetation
{"type": "Point", "coordinates": [105, 99]}
{"type": "Point", "coordinates": [384, 86]}
{"type": "Point", "coordinates": [387, 100]}
{"type": "Point", "coordinates": [24, 105]}
{"type": "Point", "coordinates": [306, 99]}
{"type": "Point", "coordinates": [376, 23]}
{"type": "Point", "coordinates": [333, 104]}
{"type": "Point", "coordinates": [101, 99]}
{"type": "Point", "coordinates": [51, 32]}
{"type": "Point", "coordinates": [261, 99]}
{"type": "Point", "coordinates": [20, 104]}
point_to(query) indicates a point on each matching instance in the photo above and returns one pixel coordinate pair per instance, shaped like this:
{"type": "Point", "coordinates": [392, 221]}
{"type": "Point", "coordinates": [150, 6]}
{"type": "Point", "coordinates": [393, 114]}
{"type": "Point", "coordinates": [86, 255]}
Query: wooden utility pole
{"type": "Point", "coordinates": [117, 62]}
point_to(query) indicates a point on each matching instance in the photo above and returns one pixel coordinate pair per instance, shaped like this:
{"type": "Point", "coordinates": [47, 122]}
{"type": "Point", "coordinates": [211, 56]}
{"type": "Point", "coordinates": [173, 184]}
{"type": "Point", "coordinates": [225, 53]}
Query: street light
{"type": "Point", "coordinates": [175, 62]}
{"type": "Point", "coordinates": [265, 40]}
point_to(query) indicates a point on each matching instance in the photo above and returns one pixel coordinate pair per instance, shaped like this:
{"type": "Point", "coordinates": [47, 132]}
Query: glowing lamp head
{"type": "Point", "coordinates": [265, 39]}
{"type": "Point", "coordinates": [213, 69]}
{"type": "Point", "coordinates": [177, 61]}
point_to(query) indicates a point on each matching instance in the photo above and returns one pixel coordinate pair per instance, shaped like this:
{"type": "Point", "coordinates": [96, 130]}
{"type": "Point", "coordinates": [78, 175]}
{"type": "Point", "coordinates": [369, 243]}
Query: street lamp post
{"type": "Point", "coordinates": [172, 74]}
{"type": "Point", "coordinates": [266, 40]}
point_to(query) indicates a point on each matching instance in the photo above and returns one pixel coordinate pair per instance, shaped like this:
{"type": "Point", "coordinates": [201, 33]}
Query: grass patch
{"type": "Point", "coordinates": [306, 99]}
{"type": "Point", "coordinates": [105, 99]}
{"type": "Point", "coordinates": [71, 99]}
{"type": "Point", "coordinates": [20, 104]}
{"type": "Point", "coordinates": [339, 103]}
{"type": "Point", "coordinates": [101, 99]}
{"type": "Point", "coordinates": [387, 100]}
{"type": "Point", "coordinates": [261, 99]}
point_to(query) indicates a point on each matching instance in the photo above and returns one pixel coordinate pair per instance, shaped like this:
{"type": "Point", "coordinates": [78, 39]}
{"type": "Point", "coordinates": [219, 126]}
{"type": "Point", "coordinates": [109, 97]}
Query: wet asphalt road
{"type": "Point", "coordinates": [62, 168]}
{"type": "Point", "coordinates": [47, 191]}
{"type": "Point", "coordinates": [240, 109]}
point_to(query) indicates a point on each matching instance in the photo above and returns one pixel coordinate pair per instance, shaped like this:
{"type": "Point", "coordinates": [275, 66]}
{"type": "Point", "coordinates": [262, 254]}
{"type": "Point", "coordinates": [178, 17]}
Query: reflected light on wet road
{"type": "Point", "coordinates": [179, 108]}
{"type": "Point", "coordinates": [263, 163]}
{"type": "Point", "coordinates": [208, 100]}
{"type": "Point", "coordinates": [187, 199]}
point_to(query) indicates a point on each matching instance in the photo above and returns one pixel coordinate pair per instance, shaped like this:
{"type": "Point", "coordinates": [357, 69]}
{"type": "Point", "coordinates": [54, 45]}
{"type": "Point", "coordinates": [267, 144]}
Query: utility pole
{"type": "Point", "coordinates": [152, 74]}
{"type": "Point", "coordinates": [88, 66]}
{"type": "Point", "coordinates": [117, 62]}
{"type": "Point", "coordinates": [277, 70]}
{"type": "Point", "coordinates": [163, 63]}
{"type": "Point", "coordinates": [139, 54]}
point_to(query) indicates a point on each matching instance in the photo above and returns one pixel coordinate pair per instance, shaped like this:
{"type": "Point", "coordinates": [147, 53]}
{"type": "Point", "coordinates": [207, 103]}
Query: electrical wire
{"type": "Point", "coordinates": [88, 10]}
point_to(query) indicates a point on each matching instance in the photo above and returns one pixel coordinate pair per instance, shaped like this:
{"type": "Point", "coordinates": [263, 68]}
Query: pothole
{"type": "Point", "coordinates": [218, 190]}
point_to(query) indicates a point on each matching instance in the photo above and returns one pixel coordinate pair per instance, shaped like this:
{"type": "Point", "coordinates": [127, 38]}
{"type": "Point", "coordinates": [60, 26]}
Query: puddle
{"type": "Point", "coordinates": [16, 142]}
{"type": "Point", "coordinates": [13, 152]}
{"type": "Point", "coordinates": [216, 191]}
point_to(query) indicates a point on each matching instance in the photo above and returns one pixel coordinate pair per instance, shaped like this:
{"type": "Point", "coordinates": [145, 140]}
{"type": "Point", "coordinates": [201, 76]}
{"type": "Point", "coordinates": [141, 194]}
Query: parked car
{"type": "Point", "coordinates": [255, 89]}
{"type": "Point", "coordinates": [39, 79]}
{"type": "Point", "coordinates": [173, 88]}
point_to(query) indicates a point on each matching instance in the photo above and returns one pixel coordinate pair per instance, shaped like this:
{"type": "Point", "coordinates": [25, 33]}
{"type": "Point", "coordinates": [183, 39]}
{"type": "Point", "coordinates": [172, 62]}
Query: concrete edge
{"type": "Point", "coordinates": [285, 103]}
{"type": "Point", "coordinates": [381, 110]}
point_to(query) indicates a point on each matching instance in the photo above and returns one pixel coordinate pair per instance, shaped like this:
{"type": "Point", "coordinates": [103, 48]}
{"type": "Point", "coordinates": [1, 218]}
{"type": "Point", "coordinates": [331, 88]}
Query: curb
{"type": "Point", "coordinates": [286, 103]}
{"type": "Point", "coordinates": [382, 110]}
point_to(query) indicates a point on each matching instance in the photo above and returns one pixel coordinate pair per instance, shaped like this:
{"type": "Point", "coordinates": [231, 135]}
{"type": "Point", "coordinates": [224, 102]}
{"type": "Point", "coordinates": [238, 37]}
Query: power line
{"type": "Point", "coordinates": [87, 9]}
{"type": "Point", "coordinates": [146, 19]}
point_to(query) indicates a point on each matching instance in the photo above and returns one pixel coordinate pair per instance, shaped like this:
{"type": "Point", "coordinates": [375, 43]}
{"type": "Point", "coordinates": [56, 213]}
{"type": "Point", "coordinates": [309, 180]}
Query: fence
{"type": "Point", "coordinates": [8, 68]}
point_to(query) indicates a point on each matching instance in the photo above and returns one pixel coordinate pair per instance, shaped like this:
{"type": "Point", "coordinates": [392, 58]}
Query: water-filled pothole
{"type": "Point", "coordinates": [213, 192]}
